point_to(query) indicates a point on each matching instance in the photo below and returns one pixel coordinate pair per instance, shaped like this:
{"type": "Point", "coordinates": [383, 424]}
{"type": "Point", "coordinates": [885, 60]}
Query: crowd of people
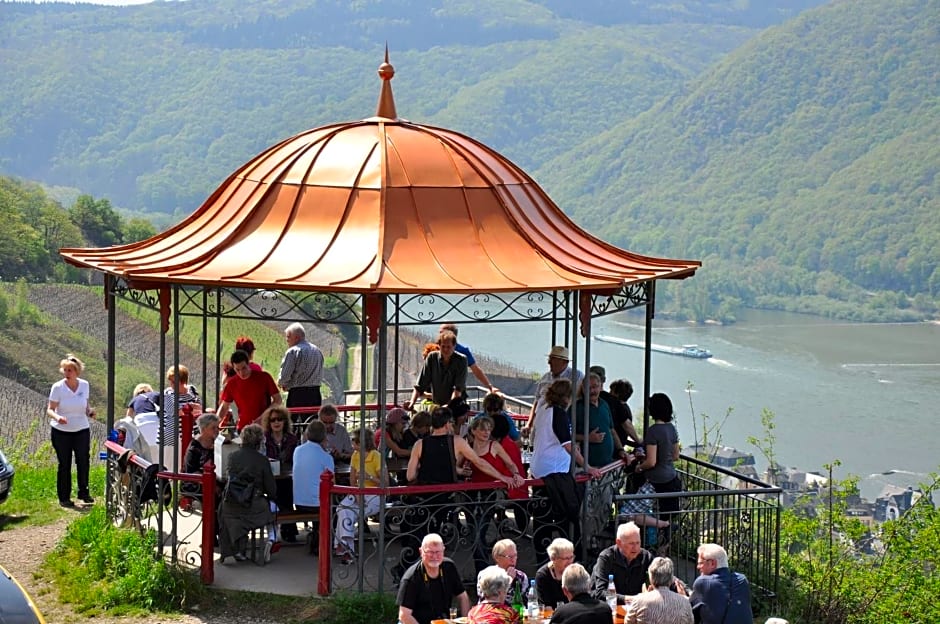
{"type": "Point", "coordinates": [442, 443]}
{"type": "Point", "coordinates": [626, 577]}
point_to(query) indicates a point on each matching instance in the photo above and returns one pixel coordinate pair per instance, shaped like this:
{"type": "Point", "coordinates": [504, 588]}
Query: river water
{"type": "Point", "coordinates": [864, 394]}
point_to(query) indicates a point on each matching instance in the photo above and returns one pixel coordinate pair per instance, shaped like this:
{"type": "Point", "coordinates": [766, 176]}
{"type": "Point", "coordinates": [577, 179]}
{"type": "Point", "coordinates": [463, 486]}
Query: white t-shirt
{"type": "Point", "coordinates": [549, 454]}
{"type": "Point", "coordinates": [72, 405]}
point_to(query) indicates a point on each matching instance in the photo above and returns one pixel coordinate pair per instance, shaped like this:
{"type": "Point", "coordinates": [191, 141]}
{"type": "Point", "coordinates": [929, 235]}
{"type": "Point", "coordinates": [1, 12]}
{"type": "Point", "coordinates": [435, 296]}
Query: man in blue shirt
{"type": "Point", "coordinates": [310, 461]}
{"type": "Point", "coordinates": [719, 595]}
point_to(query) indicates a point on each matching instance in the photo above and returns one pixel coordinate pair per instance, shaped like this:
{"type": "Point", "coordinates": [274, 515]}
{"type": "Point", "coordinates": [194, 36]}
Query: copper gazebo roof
{"type": "Point", "coordinates": [379, 205]}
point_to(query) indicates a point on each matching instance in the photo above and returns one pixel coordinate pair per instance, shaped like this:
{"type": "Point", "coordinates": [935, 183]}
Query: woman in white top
{"type": "Point", "coordinates": [552, 452]}
{"type": "Point", "coordinates": [68, 413]}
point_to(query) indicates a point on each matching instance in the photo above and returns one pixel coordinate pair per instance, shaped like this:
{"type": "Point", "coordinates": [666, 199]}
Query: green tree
{"type": "Point", "coordinates": [99, 223]}
{"type": "Point", "coordinates": [137, 229]}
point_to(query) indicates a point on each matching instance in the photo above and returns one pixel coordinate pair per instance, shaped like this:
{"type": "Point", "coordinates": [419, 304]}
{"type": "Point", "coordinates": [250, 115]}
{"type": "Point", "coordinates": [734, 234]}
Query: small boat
{"type": "Point", "coordinates": [692, 351]}
{"type": "Point", "coordinates": [695, 351]}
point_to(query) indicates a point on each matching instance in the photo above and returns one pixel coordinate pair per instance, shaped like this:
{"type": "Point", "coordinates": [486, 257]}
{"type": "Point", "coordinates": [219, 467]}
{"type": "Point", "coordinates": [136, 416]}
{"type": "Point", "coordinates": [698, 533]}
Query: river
{"type": "Point", "coordinates": [863, 394]}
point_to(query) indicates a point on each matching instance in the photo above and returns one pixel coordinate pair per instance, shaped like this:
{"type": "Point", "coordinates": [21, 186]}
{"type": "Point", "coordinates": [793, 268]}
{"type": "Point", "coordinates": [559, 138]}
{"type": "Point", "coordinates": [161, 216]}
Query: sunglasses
{"type": "Point", "coordinates": [276, 420]}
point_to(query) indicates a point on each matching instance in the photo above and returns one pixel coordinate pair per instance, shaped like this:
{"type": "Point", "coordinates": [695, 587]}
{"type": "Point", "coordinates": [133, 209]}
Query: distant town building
{"type": "Point", "coordinates": [894, 501]}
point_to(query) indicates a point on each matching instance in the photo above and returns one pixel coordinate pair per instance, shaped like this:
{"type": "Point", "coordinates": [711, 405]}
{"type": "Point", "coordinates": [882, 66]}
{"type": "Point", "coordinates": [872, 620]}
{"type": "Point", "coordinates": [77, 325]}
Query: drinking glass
{"type": "Point", "coordinates": [453, 613]}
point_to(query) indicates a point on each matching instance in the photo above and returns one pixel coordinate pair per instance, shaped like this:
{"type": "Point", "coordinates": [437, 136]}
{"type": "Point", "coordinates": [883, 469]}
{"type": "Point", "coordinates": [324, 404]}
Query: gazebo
{"type": "Point", "coordinates": [395, 222]}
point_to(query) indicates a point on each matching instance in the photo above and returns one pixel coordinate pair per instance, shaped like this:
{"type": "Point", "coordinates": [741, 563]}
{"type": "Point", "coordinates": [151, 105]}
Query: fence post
{"type": "Point", "coordinates": [324, 580]}
{"type": "Point", "coordinates": [186, 424]}
{"type": "Point", "coordinates": [208, 522]}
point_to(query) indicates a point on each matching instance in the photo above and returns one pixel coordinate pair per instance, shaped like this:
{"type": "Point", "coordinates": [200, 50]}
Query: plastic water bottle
{"type": "Point", "coordinates": [532, 606]}
{"type": "Point", "coordinates": [611, 593]}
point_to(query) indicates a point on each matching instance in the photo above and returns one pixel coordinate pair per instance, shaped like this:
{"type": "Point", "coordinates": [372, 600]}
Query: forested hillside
{"type": "Point", "coordinates": [153, 106]}
{"type": "Point", "coordinates": [794, 149]}
{"type": "Point", "coordinates": [803, 165]}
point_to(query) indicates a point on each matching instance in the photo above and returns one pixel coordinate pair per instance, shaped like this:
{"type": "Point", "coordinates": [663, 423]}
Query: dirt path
{"type": "Point", "coordinates": [22, 550]}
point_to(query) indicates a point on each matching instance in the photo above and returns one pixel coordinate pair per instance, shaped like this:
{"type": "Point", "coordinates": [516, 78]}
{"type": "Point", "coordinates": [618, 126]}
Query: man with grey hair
{"type": "Point", "coordinates": [626, 560]}
{"type": "Point", "coordinates": [581, 608]}
{"type": "Point", "coordinates": [428, 587]}
{"type": "Point", "coordinates": [718, 594]}
{"type": "Point", "coordinates": [658, 604]}
{"type": "Point", "coordinates": [301, 369]}
{"type": "Point", "coordinates": [310, 461]}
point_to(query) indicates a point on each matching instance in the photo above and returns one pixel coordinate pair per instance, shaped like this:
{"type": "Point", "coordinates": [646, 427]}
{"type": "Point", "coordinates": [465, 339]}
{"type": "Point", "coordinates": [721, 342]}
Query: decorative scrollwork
{"type": "Point", "coordinates": [122, 290]}
{"type": "Point", "coordinates": [480, 307]}
{"type": "Point", "coordinates": [628, 297]}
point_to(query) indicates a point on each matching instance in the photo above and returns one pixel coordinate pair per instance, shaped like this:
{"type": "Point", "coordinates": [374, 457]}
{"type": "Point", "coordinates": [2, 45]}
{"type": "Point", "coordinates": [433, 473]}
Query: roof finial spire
{"type": "Point", "coordinates": [386, 106]}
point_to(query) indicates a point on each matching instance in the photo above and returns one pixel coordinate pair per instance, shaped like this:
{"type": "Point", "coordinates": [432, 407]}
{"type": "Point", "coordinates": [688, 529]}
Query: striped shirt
{"type": "Point", "coordinates": [661, 606]}
{"type": "Point", "coordinates": [169, 429]}
{"type": "Point", "coordinates": [302, 367]}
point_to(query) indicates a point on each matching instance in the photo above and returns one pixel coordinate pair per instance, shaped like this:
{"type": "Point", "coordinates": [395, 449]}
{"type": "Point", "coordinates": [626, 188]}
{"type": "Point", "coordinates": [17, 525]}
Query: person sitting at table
{"type": "Point", "coordinates": [249, 465]}
{"type": "Point", "coordinates": [347, 514]}
{"type": "Point", "coordinates": [338, 443]}
{"type": "Point", "coordinates": [310, 461]}
{"type": "Point", "coordinates": [279, 444]}
{"type": "Point", "coordinates": [418, 428]}
{"type": "Point", "coordinates": [494, 406]}
{"type": "Point", "coordinates": [505, 556]}
{"type": "Point", "coordinates": [582, 607]}
{"type": "Point", "coordinates": [394, 434]}
{"type": "Point", "coordinates": [428, 586]}
{"type": "Point", "coordinates": [718, 594]}
{"type": "Point", "coordinates": [658, 604]}
{"type": "Point", "coordinates": [548, 577]}
{"type": "Point", "coordinates": [626, 560]}
{"type": "Point", "coordinates": [201, 450]}
{"type": "Point", "coordinates": [144, 400]}
{"type": "Point", "coordinates": [493, 587]}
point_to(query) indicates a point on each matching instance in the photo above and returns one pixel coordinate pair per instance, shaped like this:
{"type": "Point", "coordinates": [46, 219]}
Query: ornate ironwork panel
{"type": "Point", "coordinates": [628, 297]}
{"type": "Point", "coordinates": [492, 307]}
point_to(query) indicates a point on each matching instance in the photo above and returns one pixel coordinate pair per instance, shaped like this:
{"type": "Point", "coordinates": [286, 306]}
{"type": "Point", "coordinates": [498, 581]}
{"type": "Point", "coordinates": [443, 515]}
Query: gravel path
{"type": "Point", "coordinates": [22, 550]}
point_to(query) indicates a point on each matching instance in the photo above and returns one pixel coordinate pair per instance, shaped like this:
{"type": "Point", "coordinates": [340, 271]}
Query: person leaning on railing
{"type": "Point", "coordinates": [551, 462]}
{"type": "Point", "coordinates": [661, 441]}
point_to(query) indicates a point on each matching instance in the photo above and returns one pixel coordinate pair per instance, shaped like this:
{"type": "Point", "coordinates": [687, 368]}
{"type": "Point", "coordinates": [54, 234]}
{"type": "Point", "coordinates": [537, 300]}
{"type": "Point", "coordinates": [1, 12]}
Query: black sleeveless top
{"type": "Point", "coordinates": [438, 462]}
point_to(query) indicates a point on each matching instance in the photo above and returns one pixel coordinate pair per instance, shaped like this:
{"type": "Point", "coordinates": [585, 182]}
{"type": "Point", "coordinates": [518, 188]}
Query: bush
{"type": "Point", "coordinates": [351, 608]}
{"type": "Point", "coordinates": [99, 567]}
